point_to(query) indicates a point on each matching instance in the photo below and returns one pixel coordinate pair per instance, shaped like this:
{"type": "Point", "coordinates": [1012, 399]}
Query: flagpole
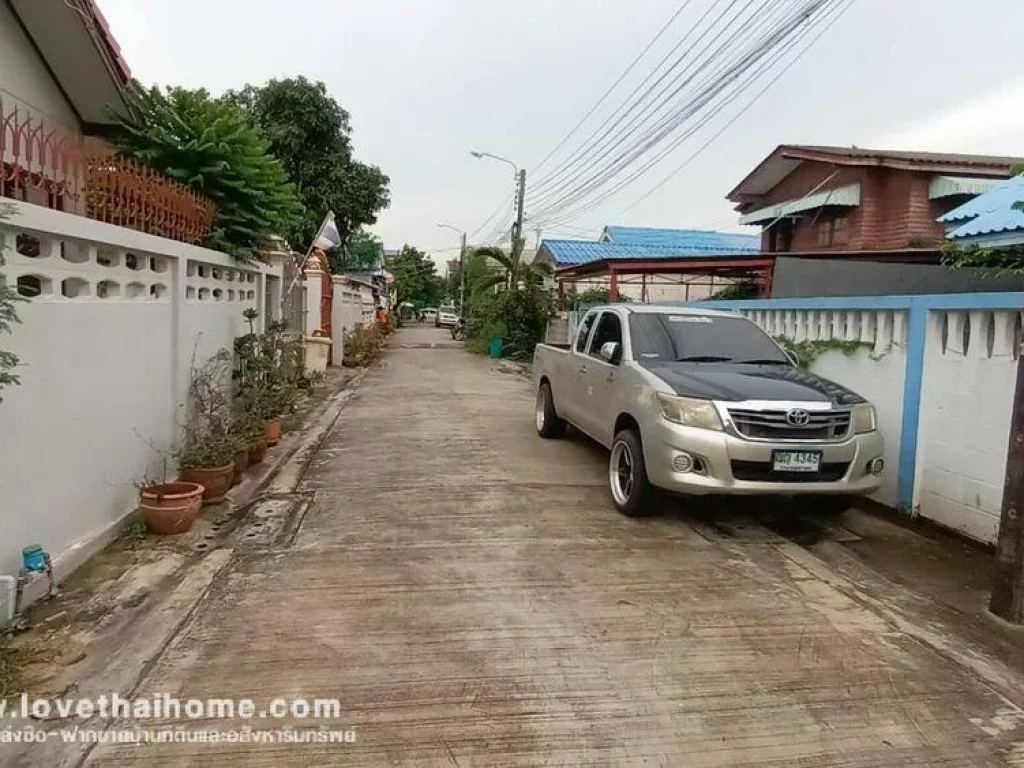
{"type": "Point", "coordinates": [309, 251]}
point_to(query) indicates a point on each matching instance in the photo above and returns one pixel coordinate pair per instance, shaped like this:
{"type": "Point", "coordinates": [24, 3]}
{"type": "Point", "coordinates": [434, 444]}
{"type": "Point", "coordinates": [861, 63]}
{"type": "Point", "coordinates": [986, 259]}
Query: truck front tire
{"type": "Point", "coordinates": [631, 491]}
{"type": "Point", "coordinates": [549, 426]}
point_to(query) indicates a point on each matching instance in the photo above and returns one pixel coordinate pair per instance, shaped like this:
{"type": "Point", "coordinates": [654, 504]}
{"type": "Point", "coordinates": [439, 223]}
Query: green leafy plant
{"type": "Point", "coordinates": [1008, 260]}
{"type": "Point", "coordinates": [210, 146]}
{"type": "Point", "coordinates": [268, 375]}
{"type": "Point", "coordinates": [736, 291]}
{"type": "Point", "coordinates": [508, 271]}
{"type": "Point", "coordinates": [9, 298]}
{"type": "Point", "coordinates": [592, 297]}
{"type": "Point", "coordinates": [808, 350]}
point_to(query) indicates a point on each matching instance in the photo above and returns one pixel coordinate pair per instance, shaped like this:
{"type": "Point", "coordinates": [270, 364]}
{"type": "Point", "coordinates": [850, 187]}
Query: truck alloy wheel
{"type": "Point", "coordinates": [548, 423]}
{"type": "Point", "coordinates": [632, 492]}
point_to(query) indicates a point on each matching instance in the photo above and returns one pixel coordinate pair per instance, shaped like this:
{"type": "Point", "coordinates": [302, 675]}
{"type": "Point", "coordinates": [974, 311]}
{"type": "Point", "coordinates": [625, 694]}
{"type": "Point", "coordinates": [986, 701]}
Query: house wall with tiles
{"type": "Point", "coordinates": [114, 323]}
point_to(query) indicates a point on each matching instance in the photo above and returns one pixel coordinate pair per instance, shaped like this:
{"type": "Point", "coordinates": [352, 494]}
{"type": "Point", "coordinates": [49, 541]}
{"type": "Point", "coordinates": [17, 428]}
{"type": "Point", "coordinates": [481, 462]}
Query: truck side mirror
{"type": "Point", "coordinates": [611, 351]}
{"type": "Point", "coordinates": [792, 357]}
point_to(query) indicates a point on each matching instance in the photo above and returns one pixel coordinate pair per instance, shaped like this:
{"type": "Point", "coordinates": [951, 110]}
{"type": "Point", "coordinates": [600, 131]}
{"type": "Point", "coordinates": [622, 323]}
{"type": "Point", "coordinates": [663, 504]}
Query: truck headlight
{"type": "Point", "coordinates": [690, 412]}
{"type": "Point", "coordinates": [864, 418]}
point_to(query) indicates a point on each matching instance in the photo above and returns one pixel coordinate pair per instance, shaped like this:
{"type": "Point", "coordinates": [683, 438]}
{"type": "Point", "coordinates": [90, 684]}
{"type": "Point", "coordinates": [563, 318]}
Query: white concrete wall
{"type": "Point", "coordinates": [104, 371]}
{"type": "Point", "coordinates": [346, 314]}
{"type": "Point", "coordinates": [876, 371]}
{"type": "Point", "coordinates": [24, 74]}
{"type": "Point", "coordinates": [966, 404]}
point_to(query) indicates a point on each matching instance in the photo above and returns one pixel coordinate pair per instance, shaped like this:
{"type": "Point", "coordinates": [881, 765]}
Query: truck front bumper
{"type": "Point", "coordinates": [726, 464]}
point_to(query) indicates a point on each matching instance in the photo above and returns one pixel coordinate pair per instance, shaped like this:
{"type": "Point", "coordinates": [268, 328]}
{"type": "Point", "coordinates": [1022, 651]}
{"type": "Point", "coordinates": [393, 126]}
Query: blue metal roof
{"type": "Point", "coordinates": [994, 212]}
{"type": "Point", "coordinates": [694, 239]}
{"type": "Point", "coordinates": [572, 252]}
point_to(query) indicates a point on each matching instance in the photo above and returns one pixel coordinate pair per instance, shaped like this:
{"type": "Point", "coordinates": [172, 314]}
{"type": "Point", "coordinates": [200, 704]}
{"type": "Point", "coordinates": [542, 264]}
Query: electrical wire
{"type": "Point", "coordinates": [632, 103]}
{"type": "Point", "coordinates": [841, 9]}
{"type": "Point", "coordinates": [700, 150]}
{"type": "Point", "coordinates": [616, 84]}
{"type": "Point", "coordinates": [774, 45]}
{"type": "Point", "coordinates": [706, 58]}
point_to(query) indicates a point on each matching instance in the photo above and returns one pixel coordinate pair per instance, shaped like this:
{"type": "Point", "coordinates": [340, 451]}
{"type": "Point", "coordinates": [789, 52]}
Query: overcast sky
{"type": "Point", "coordinates": [426, 81]}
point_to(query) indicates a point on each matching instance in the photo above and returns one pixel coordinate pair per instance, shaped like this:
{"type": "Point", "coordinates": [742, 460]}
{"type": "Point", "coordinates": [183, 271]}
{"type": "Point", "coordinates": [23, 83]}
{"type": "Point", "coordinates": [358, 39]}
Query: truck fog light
{"type": "Point", "coordinates": [876, 466]}
{"type": "Point", "coordinates": [682, 462]}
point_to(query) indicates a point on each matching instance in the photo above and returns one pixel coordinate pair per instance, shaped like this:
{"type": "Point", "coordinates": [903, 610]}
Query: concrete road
{"type": "Point", "coordinates": [468, 593]}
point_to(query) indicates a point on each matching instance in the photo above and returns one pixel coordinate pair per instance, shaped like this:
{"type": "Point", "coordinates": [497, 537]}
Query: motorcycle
{"type": "Point", "coordinates": [459, 330]}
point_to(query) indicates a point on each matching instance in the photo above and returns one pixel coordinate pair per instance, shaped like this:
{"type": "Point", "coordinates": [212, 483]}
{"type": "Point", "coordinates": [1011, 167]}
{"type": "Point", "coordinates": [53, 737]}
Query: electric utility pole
{"type": "Point", "coordinates": [517, 231]}
{"type": "Point", "coordinates": [462, 275]}
{"type": "Point", "coordinates": [1008, 587]}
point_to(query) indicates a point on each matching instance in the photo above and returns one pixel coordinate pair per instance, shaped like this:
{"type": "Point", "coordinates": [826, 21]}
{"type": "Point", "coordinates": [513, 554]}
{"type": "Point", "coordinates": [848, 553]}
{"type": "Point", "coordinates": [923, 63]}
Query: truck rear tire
{"type": "Point", "coordinates": [549, 426]}
{"type": "Point", "coordinates": [632, 492]}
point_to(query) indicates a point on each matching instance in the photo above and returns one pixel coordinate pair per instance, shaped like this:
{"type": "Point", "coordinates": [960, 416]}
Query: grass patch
{"type": "Point", "coordinates": [10, 670]}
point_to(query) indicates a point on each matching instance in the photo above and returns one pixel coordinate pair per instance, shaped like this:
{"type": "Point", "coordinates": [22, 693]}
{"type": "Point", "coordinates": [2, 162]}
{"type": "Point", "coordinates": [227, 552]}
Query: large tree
{"type": "Point", "coordinates": [309, 132]}
{"type": "Point", "coordinates": [365, 252]}
{"type": "Point", "coordinates": [416, 278]}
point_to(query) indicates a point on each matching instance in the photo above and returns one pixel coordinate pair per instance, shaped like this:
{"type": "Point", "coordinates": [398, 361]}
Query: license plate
{"type": "Point", "coordinates": [796, 461]}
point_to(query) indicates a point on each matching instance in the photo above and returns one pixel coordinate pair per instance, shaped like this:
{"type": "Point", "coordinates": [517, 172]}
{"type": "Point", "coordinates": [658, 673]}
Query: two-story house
{"type": "Point", "coordinates": [810, 199]}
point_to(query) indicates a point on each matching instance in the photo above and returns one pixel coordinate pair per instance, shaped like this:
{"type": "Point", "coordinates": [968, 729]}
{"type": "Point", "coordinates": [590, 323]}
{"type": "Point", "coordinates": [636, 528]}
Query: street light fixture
{"type": "Point", "coordinates": [520, 176]}
{"type": "Point", "coordinates": [462, 265]}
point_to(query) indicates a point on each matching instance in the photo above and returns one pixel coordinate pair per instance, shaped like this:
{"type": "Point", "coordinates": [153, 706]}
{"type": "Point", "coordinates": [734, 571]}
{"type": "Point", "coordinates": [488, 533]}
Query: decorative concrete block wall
{"type": "Point", "coordinates": [941, 371]}
{"type": "Point", "coordinates": [967, 399]}
{"type": "Point", "coordinates": [115, 319]}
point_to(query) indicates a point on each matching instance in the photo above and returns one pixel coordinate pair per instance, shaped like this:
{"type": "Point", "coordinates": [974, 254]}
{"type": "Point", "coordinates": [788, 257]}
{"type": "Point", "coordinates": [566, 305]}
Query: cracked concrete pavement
{"type": "Point", "coordinates": [472, 598]}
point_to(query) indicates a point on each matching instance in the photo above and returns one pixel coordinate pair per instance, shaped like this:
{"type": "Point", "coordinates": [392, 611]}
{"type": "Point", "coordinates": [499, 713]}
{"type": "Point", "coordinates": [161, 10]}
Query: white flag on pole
{"type": "Point", "coordinates": [328, 236]}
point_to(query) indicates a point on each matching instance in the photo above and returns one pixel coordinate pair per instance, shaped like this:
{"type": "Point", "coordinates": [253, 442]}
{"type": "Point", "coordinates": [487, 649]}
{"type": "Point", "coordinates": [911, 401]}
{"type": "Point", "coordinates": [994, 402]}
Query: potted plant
{"type": "Point", "coordinates": [267, 372]}
{"type": "Point", "coordinates": [207, 450]}
{"type": "Point", "coordinates": [170, 508]}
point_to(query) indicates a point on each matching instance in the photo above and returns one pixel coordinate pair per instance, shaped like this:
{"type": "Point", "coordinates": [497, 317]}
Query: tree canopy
{"type": "Point", "coordinates": [209, 145]}
{"type": "Point", "coordinates": [310, 133]}
{"type": "Point", "coordinates": [416, 278]}
{"type": "Point", "coordinates": [365, 252]}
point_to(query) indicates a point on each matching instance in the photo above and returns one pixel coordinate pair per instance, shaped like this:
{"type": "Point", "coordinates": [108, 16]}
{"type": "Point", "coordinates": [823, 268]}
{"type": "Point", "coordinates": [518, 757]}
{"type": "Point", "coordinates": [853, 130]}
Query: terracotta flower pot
{"type": "Point", "coordinates": [241, 462]}
{"type": "Point", "coordinates": [170, 508]}
{"type": "Point", "coordinates": [257, 450]}
{"type": "Point", "coordinates": [216, 480]}
{"type": "Point", "coordinates": [273, 432]}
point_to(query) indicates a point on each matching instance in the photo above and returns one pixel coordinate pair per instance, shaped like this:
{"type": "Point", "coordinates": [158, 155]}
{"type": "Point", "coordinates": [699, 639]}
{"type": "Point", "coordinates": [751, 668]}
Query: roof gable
{"type": "Point", "coordinates": [786, 158]}
{"type": "Point", "coordinates": [997, 211]}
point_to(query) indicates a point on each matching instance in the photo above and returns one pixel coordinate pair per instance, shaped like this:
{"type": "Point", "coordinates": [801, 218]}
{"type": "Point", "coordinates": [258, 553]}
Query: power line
{"type": "Point", "coordinates": [687, 134]}
{"type": "Point", "coordinates": [706, 58]}
{"type": "Point", "coordinates": [842, 12]}
{"type": "Point", "coordinates": [773, 45]}
{"type": "Point", "coordinates": [631, 103]}
{"type": "Point", "coordinates": [616, 84]}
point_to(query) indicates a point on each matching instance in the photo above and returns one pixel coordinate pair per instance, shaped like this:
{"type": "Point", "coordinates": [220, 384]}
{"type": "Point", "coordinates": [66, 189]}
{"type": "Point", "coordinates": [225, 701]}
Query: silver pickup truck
{"type": "Point", "coordinates": [695, 401]}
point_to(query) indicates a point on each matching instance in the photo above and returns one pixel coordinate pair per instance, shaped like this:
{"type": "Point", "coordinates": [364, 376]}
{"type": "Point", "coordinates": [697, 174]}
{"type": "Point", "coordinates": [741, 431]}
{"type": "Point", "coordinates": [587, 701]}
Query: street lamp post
{"type": "Point", "coordinates": [462, 267]}
{"type": "Point", "coordinates": [517, 231]}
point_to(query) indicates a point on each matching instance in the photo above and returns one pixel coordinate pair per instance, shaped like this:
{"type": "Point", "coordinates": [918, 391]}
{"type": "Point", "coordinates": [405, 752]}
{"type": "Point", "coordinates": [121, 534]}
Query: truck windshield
{"type": "Point", "coordinates": [701, 339]}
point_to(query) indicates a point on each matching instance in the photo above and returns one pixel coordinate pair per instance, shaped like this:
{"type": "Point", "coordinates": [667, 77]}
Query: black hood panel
{"type": "Point", "coordinates": [731, 382]}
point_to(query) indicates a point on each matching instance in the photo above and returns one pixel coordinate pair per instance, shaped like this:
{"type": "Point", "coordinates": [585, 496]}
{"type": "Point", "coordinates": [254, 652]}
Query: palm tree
{"type": "Point", "coordinates": [508, 271]}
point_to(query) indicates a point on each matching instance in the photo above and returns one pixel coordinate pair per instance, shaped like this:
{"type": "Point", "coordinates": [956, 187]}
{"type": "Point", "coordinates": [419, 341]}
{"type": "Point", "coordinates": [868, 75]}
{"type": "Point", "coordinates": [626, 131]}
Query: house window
{"type": "Point", "coordinates": [825, 234]}
{"type": "Point", "coordinates": [832, 231]}
{"type": "Point", "coordinates": [839, 230]}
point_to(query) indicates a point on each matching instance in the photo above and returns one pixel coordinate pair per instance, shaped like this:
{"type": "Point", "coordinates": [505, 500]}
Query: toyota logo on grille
{"type": "Point", "coordinates": [798, 417]}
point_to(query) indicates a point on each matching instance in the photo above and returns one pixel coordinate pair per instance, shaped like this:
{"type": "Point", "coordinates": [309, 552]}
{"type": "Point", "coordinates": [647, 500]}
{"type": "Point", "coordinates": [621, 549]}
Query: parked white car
{"type": "Point", "coordinates": [430, 315]}
{"type": "Point", "coordinates": [447, 318]}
